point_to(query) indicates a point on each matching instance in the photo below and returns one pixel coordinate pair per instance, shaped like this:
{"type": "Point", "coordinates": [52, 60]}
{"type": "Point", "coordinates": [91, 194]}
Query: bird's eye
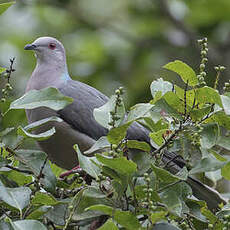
{"type": "Point", "coordinates": [52, 46]}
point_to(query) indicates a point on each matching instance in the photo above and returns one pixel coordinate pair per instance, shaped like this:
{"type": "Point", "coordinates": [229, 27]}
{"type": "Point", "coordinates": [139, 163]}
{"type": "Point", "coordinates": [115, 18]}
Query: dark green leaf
{"type": "Point", "coordinates": [48, 97]}
{"type": "Point", "coordinates": [34, 160]}
{"type": "Point", "coordinates": [209, 135]}
{"type": "Point", "coordinates": [124, 218]}
{"type": "Point", "coordinates": [39, 212]}
{"type": "Point", "coordinates": [186, 73]}
{"type": "Point", "coordinates": [207, 164]}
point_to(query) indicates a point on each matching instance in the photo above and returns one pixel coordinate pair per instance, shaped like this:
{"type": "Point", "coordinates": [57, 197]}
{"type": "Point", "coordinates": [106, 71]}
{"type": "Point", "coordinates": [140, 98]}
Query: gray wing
{"type": "Point", "coordinates": [79, 114]}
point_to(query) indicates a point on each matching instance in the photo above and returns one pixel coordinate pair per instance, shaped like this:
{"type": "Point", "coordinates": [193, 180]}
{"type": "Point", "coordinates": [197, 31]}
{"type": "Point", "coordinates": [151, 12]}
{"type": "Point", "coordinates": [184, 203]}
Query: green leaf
{"type": "Point", "coordinates": [121, 164]}
{"type": "Point", "coordinates": [3, 161]}
{"type": "Point", "coordinates": [141, 145]}
{"type": "Point", "coordinates": [101, 144]}
{"type": "Point", "coordinates": [224, 142]}
{"type": "Point", "coordinates": [1, 69]}
{"type": "Point", "coordinates": [28, 225]}
{"type": "Point", "coordinates": [116, 135]}
{"type": "Point", "coordinates": [41, 198]}
{"type": "Point", "coordinates": [39, 123]}
{"type": "Point", "coordinates": [3, 8]}
{"type": "Point", "coordinates": [186, 73]}
{"type": "Point", "coordinates": [18, 198]}
{"type": "Point", "coordinates": [48, 97]}
{"type": "Point", "coordinates": [124, 218]}
{"type": "Point", "coordinates": [164, 175]}
{"type": "Point", "coordinates": [161, 86]}
{"type": "Point", "coordinates": [190, 94]}
{"type": "Point", "coordinates": [102, 114]}
{"type": "Point", "coordinates": [207, 164]}
{"type": "Point", "coordinates": [209, 135]}
{"type": "Point", "coordinates": [213, 219]}
{"type": "Point", "coordinates": [226, 103]}
{"type": "Point", "coordinates": [164, 226]}
{"type": "Point", "coordinates": [157, 216]}
{"type": "Point", "coordinates": [157, 137]}
{"type": "Point", "coordinates": [37, 137]}
{"type": "Point", "coordinates": [225, 171]}
{"type": "Point", "coordinates": [208, 95]}
{"type": "Point", "coordinates": [108, 225]}
{"type": "Point", "coordinates": [139, 111]}
{"type": "Point", "coordinates": [39, 212]}
{"type": "Point", "coordinates": [86, 163]}
{"type": "Point", "coordinates": [34, 160]}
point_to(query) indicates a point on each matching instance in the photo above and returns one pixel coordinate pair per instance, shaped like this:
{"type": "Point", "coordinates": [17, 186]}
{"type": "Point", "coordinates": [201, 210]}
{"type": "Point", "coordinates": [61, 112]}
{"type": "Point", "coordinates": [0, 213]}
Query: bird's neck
{"type": "Point", "coordinates": [51, 75]}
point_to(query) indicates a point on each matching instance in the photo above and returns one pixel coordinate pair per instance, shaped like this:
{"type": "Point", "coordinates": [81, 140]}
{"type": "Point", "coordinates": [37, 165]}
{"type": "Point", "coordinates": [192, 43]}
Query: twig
{"type": "Point", "coordinates": [10, 70]}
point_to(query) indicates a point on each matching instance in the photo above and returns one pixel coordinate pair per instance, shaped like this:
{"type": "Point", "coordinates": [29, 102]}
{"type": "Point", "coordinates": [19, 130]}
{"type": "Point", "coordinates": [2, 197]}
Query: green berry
{"type": "Point", "coordinates": [117, 92]}
{"type": "Point", "coordinates": [3, 100]}
{"type": "Point", "coordinates": [222, 68]}
{"type": "Point", "coordinates": [203, 74]}
{"type": "Point", "coordinates": [202, 66]}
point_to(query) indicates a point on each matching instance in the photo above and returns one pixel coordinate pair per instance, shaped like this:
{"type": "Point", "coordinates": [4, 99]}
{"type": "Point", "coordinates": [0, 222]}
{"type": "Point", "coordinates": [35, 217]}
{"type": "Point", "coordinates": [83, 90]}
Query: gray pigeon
{"type": "Point", "coordinates": [79, 126]}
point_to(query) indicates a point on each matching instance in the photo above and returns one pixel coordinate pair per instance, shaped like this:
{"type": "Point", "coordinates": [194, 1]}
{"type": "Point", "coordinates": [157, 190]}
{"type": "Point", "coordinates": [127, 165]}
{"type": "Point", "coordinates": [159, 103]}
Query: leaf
{"type": "Point", "coordinates": [121, 164]}
{"type": "Point", "coordinates": [157, 216]}
{"type": "Point", "coordinates": [164, 175]}
{"type": "Point", "coordinates": [39, 123]}
{"type": "Point", "coordinates": [224, 142]}
{"type": "Point", "coordinates": [48, 97]}
{"type": "Point", "coordinates": [1, 68]}
{"type": "Point", "coordinates": [141, 145]}
{"type": "Point", "coordinates": [86, 163]}
{"type": "Point", "coordinates": [157, 137]}
{"type": "Point", "coordinates": [37, 137]}
{"type": "Point", "coordinates": [116, 135]}
{"type": "Point", "coordinates": [186, 73]}
{"type": "Point", "coordinates": [28, 225]}
{"type": "Point", "coordinates": [226, 103]}
{"type": "Point", "coordinates": [3, 8]}
{"type": "Point", "coordinates": [208, 95]}
{"type": "Point", "coordinates": [164, 226]}
{"type": "Point", "coordinates": [3, 161]}
{"type": "Point", "coordinates": [18, 198]}
{"type": "Point", "coordinates": [225, 171]}
{"type": "Point", "coordinates": [207, 164]}
{"type": "Point", "coordinates": [39, 212]}
{"type": "Point", "coordinates": [161, 86]}
{"type": "Point", "coordinates": [108, 225]}
{"type": "Point", "coordinates": [209, 135]}
{"type": "Point", "coordinates": [124, 218]}
{"type": "Point", "coordinates": [102, 114]}
{"type": "Point", "coordinates": [190, 94]}
{"type": "Point", "coordinates": [41, 198]}
{"type": "Point", "coordinates": [34, 160]}
{"type": "Point", "coordinates": [139, 111]}
{"type": "Point", "coordinates": [101, 144]}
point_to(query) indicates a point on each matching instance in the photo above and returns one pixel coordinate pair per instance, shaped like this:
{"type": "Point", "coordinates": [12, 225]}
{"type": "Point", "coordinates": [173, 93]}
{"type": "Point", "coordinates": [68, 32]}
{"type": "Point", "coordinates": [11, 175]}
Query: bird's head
{"type": "Point", "coordinates": [47, 50]}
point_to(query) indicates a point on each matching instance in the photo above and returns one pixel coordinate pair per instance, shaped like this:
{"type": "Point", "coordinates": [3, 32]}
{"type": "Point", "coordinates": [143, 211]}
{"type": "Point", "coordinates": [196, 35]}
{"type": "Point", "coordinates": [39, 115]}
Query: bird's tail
{"type": "Point", "coordinates": [206, 193]}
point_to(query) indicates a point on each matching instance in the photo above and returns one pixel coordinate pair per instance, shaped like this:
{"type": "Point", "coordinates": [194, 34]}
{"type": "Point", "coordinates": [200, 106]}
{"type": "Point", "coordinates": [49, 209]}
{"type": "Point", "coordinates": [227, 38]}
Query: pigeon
{"type": "Point", "coordinates": [78, 125]}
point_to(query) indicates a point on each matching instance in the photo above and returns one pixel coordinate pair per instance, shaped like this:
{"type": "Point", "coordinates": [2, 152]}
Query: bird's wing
{"type": "Point", "coordinates": [79, 114]}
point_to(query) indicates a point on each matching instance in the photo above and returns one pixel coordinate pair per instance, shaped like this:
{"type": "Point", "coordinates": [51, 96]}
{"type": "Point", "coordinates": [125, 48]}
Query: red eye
{"type": "Point", "coordinates": [52, 46]}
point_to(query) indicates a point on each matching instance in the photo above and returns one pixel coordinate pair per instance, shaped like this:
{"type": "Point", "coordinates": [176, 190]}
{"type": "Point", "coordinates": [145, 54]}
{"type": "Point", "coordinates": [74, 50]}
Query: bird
{"type": "Point", "coordinates": [78, 124]}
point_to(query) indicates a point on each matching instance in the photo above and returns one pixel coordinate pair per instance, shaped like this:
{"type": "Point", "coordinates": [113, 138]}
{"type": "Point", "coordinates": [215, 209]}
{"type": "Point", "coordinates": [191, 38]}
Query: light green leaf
{"type": "Point", "coordinates": [141, 145]}
{"type": "Point", "coordinates": [101, 144]}
{"type": "Point", "coordinates": [226, 103]}
{"type": "Point", "coordinates": [86, 163]}
{"type": "Point", "coordinates": [108, 225]}
{"type": "Point", "coordinates": [186, 73]}
{"type": "Point", "coordinates": [157, 216]}
{"type": "Point", "coordinates": [39, 212]}
{"type": "Point", "coordinates": [209, 135]}
{"type": "Point", "coordinates": [3, 8]}
{"type": "Point", "coordinates": [48, 97]}
{"type": "Point", "coordinates": [41, 198]}
{"type": "Point", "coordinates": [36, 137]}
{"type": "Point", "coordinates": [102, 114]}
{"type": "Point", "coordinates": [121, 164]}
{"type": "Point", "coordinates": [39, 123]}
{"type": "Point", "coordinates": [157, 137]}
{"type": "Point", "coordinates": [224, 142]}
{"type": "Point", "coordinates": [1, 69]}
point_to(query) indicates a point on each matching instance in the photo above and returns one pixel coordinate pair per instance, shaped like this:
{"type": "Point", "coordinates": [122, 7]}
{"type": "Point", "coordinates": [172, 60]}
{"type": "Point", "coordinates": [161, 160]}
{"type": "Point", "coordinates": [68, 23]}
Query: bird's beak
{"type": "Point", "coordinates": [30, 47]}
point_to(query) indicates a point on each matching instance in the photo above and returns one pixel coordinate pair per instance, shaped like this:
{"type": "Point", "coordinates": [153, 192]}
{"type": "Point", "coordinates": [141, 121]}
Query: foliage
{"type": "Point", "coordinates": [111, 190]}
